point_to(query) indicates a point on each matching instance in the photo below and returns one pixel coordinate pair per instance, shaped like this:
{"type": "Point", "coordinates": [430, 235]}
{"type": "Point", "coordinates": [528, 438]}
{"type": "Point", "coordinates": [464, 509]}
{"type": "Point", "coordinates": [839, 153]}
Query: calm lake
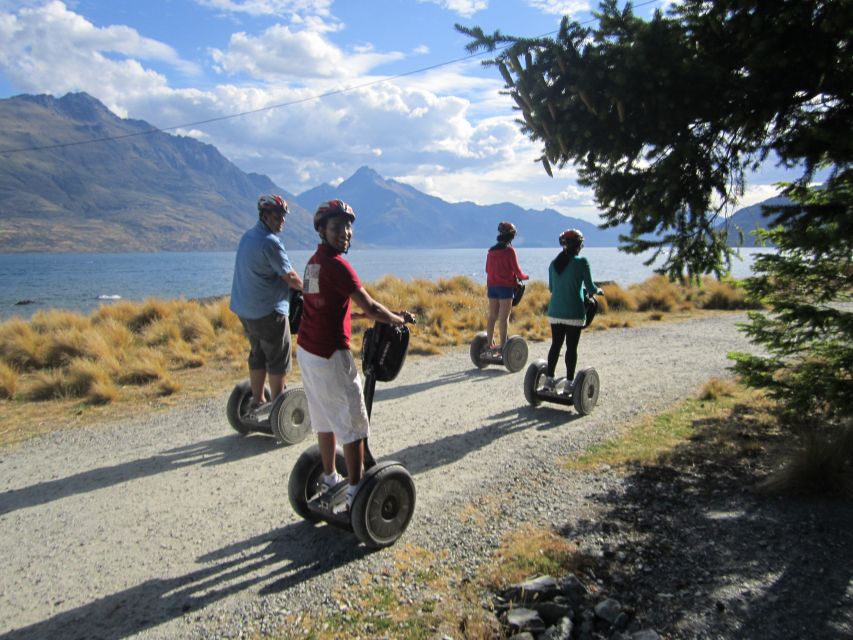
{"type": "Point", "coordinates": [82, 281]}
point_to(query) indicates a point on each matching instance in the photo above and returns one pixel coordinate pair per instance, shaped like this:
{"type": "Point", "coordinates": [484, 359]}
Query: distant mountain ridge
{"type": "Point", "coordinates": [128, 187]}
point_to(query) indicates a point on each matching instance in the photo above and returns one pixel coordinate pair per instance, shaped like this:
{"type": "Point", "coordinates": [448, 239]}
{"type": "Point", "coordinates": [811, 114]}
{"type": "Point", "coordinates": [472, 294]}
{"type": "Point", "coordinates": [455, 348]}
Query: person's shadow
{"type": "Point", "coordinates": [221, 450]}
{"type": "Point", "coordinates": [278, 560]}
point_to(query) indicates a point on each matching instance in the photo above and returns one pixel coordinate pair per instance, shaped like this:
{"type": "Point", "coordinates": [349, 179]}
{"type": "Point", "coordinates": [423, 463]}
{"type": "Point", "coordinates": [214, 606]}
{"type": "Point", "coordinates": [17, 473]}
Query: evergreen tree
{"type": "Point", "coordinates": [663, 117]}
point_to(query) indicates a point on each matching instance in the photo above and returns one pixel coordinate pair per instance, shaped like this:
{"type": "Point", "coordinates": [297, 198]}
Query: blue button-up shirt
{"type": "Point", "coordinates": [257, 289]}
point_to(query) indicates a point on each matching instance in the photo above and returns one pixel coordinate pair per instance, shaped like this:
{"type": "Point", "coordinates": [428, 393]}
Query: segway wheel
{"type": "Point", "coordinates": [585, 390]}
{"type": "Point", "coordinates": [383, 507]}
{"type": "Point", "coordinates": [305, 479]}
{"type": "Point", "coordinates": [477, 346]}
{"type": "Point", "coordinates": [532, 377]}
{"type": "Point", "coordinates": [289, 417]}
{"type": "Point", "coordinates": [238, 406]}
{"type": "Point", "coordinates": [515, 354]}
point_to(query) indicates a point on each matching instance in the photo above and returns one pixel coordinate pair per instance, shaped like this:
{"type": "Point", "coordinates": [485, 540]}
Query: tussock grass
{"type": "Point", "coordinates": [8, 381]}
{"type": "Point", "coordinates": [159, 349]}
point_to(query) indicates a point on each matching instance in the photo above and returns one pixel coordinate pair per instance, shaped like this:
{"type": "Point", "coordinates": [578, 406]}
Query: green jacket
{"type": "Point", "coordinates": [567, 292]}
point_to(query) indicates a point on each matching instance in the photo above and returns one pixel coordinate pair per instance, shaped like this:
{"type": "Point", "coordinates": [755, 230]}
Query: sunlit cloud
{"type": "Point", "coordinates": [559, 7]}
{"type": "Point", "coordinates": [280, 53]}
{"type": "Point", "coordinates": [465, 8]}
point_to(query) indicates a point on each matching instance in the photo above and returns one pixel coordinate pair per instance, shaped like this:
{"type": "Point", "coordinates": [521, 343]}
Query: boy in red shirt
{"type": "Point", "coordinates": [329, 372]}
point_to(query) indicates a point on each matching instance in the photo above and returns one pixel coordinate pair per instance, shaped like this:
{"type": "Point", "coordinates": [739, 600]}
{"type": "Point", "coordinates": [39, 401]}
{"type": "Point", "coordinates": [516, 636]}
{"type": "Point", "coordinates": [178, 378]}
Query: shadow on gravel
{"type": "Point", "coordinates": [278, 560]}
{"type": "Point", "coordinates": [384, 392]}
{"type": "Point", "coordinates": [220, 450]}
{"type": "Point", "coordinates": [450, 449]}
{"type": "Point", "coordinates": [696, 552]}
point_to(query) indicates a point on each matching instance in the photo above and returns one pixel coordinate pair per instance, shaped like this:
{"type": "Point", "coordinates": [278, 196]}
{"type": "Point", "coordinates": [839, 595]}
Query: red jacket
{"type": "Point", "coordinates": [502, 268]}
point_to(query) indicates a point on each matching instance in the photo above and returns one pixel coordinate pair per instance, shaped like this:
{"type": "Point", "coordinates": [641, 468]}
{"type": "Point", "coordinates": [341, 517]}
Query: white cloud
{"type": "Point", "coordinates": [271, 7]}
{"type": "Point", "coordinates": [755, 193]}
{"type": "Point", "coordinates": [51, 49]}
{"type": "Point", "coordinates": [280, 53]}
{"type": "Point", "coordinates": [559, 7]}
{"type": "Point", "coordinates": [465, 8]}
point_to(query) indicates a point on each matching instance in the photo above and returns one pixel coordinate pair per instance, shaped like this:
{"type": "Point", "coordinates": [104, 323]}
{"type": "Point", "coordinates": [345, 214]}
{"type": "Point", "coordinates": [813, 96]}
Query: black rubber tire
{"type": "Point", "coordinates": [238, 404]}
{"type": "Point", "coordinates": [477, 346]}
{"type": "Point", "coordinates": [585, 390]}
{"type": "Point", "coordinates": [515, 354]}
{"type": "Point", "coordinates": [383, 506]}
{"type": "Point", "coordinates": [289, 418]}
{"type": "Point", "coordinates": [304, 481]}
{"type": "Point", "coordinates": [532, 377]}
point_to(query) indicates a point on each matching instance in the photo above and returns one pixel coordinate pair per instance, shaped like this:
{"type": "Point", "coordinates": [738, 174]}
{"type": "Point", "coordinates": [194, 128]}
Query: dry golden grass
{"type": "Point", "coordinates": [8, 381]}
{"type": "Point", "coordinates": [156, 352]}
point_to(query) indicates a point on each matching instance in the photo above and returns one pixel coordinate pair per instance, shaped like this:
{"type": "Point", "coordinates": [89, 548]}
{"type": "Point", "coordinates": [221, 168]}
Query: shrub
{"type": "Point", "coordinates": [62, 347]}
{"type": "Point", "coordinates": [145, 366]}
{"type": "Point", "coordinates": [658, 293]}
{"type": "Point", "coordinates": [20, 345]}
{"type": "Point", "coordinates": [221, 317]}
{"type": "Point", "coordinates": [57, 320]}
{"type": "Point", "coordinates": [194, 325]}
{"type": "Point", "coordinates": [151, 310]}
{"type": "Point", "coordinates": [618, 299]}
{"type": "Point", "coordinates": [725, 295]}
{"type": "Point", "coordinates": [82, 376]}
{"type": "Point", "coordinates": [8, 381]}
{"type": "Point", "coordinates": [183, 356]}
{"type": "Point", "coordinates": [46, 384]}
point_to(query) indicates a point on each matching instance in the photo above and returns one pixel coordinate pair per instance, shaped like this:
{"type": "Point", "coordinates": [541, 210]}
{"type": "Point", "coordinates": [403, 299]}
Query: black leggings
{"type": "Point", "coordinates": [571, 335]}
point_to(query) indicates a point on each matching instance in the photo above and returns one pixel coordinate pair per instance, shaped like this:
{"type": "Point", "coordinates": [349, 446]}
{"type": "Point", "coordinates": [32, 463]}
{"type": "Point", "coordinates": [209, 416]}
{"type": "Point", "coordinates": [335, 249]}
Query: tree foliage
{"type": "Point", "coordinates": [808, 284]}
{"type": "Point", "coordinates": [664, 117]}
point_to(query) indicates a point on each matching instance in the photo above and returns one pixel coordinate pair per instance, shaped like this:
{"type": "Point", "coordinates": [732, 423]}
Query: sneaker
{"type": "Point", "coordinates": [548, 384]}
{"type": "Point", "coordinates": [330, 482]}
{"type": "Point", "coordinates": [566, 387]}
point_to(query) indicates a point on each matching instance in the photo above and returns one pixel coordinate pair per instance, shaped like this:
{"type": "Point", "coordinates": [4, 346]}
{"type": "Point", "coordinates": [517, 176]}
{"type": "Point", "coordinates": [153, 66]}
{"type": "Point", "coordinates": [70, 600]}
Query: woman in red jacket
{"type": "Point", "coordinates": [502, 274]}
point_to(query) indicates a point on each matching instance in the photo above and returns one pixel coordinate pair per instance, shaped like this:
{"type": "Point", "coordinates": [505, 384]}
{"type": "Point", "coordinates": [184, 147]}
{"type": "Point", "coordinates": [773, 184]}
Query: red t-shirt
{"type": "Point", "coordinates": [328, 283]}
{"type": "Point", "coordinates": [502, 268]}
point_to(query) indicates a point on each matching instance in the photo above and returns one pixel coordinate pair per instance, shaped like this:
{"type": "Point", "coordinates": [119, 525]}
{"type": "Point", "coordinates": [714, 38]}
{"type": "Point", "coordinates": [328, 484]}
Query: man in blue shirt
{"type": "Point", "coordinates": [260, 296]}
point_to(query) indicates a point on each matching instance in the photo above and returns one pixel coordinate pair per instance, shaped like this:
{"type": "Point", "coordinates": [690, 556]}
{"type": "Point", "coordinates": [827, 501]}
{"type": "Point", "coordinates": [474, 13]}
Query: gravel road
{"type": "Point", "coordinates": [173, 526]}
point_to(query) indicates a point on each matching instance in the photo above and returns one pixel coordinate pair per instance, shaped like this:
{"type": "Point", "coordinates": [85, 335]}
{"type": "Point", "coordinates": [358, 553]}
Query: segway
{"type": "Point", "coordinates": [513, 355]}
{"type": "Point", "coordinates": [582, 392]}
{"type": "Point", "coordinates": [385, 500]}
{"type": "Point", "coordinates": [287, 416]}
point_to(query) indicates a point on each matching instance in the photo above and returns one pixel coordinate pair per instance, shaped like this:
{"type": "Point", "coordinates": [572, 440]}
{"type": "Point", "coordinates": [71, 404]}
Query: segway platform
{"type": "Point", "coordinates": [513, 355]}
{"type": "Point", "coordinates": [582, 393]}
{"type": "Point", "coordinates": [286, 417]}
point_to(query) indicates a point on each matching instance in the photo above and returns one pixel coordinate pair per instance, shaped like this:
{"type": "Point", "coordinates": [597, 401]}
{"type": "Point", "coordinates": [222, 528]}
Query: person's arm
{"type": "Point", "coordinates": [516, 268]}
{"type": "Point", "coordinates": [374, 310]}
{"type": "Point", "coordinates": [591, 287]}
{"type": "Point", "coordinates": [292, 279]}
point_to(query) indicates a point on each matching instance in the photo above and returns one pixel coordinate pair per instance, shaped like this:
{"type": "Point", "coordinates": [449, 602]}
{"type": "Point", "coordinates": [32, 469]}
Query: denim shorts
{"type": "Point", "coordinates": [501, 293]}
{"type": "Point", "coordinates": [269, 343]}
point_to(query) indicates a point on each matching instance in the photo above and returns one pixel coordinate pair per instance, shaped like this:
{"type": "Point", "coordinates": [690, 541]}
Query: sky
{"type": "Point", "coordinates": [324, 86]}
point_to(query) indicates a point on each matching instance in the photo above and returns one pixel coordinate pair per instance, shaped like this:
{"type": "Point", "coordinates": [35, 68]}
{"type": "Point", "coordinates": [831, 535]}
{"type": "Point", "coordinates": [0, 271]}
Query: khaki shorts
{"type": "Point", "coordinates": [269, 343]}
{"type": "Point", "coordinates": [335, 396]}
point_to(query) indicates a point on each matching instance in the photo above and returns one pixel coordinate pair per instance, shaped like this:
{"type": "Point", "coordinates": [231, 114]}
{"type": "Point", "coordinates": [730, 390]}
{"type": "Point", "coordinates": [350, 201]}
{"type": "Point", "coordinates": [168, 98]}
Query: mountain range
{"type": "Point", "coordinates": [76, 177]}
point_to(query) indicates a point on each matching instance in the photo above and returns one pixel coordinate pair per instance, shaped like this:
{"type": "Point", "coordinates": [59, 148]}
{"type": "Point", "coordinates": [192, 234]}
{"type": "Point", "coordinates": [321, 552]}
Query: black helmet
{"type": "Point", "coordinates": [273, 203]}
{"type": "Point", "coordinates": [571, 239]}
{"type": "Point", "coordinates": [506, 228]}
{"type": "Point", "coordinates": [331, 209]}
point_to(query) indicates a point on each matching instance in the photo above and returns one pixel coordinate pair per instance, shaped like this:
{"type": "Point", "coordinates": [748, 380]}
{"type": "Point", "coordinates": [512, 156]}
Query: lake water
{"type": "Point", "coordinates": [82, 281]}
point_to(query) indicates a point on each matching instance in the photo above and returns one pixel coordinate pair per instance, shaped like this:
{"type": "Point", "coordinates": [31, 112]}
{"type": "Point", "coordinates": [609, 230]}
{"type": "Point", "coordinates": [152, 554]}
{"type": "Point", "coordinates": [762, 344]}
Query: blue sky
{"type": "Point", "coordinates": [447, 131]}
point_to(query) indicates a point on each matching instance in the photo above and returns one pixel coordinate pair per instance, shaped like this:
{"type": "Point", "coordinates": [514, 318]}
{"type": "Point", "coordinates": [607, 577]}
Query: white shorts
{"type": "Point", "coordinates": [334, 392]}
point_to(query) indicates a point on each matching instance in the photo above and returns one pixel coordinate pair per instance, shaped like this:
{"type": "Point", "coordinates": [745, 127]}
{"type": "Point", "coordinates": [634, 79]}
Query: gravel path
{"type": "Point", "coordinates": [172, 526]}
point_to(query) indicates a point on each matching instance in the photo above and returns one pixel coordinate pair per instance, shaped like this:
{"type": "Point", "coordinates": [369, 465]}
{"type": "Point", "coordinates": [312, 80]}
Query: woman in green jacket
{"type": "Point", "coordinates": [569, 278]}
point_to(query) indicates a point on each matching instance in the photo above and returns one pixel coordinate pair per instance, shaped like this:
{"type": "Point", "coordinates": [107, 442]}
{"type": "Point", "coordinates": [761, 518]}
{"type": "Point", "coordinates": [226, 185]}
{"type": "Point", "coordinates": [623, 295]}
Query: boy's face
{"type": "Point", "coordinates": [338, 234]}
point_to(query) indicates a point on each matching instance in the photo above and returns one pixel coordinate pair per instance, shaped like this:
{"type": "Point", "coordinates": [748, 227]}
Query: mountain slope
{"type": "Point", "coordinates": [152, 192]}
{"type": "Point", "coordinates": [391, 213]}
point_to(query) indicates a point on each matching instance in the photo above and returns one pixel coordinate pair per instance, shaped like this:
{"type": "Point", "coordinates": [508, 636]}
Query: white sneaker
{"type": "Point", "coordinates": [548, 384]}
{"type": "Point", "coordinates": [330, 482]}
{"type": "Point", "coordinates": [566, 387]}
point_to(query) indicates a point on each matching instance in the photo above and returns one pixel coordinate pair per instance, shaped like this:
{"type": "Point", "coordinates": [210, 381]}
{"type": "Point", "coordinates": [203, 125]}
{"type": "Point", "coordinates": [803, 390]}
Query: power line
{"type": "Point", "coordinates": [291, 103]}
